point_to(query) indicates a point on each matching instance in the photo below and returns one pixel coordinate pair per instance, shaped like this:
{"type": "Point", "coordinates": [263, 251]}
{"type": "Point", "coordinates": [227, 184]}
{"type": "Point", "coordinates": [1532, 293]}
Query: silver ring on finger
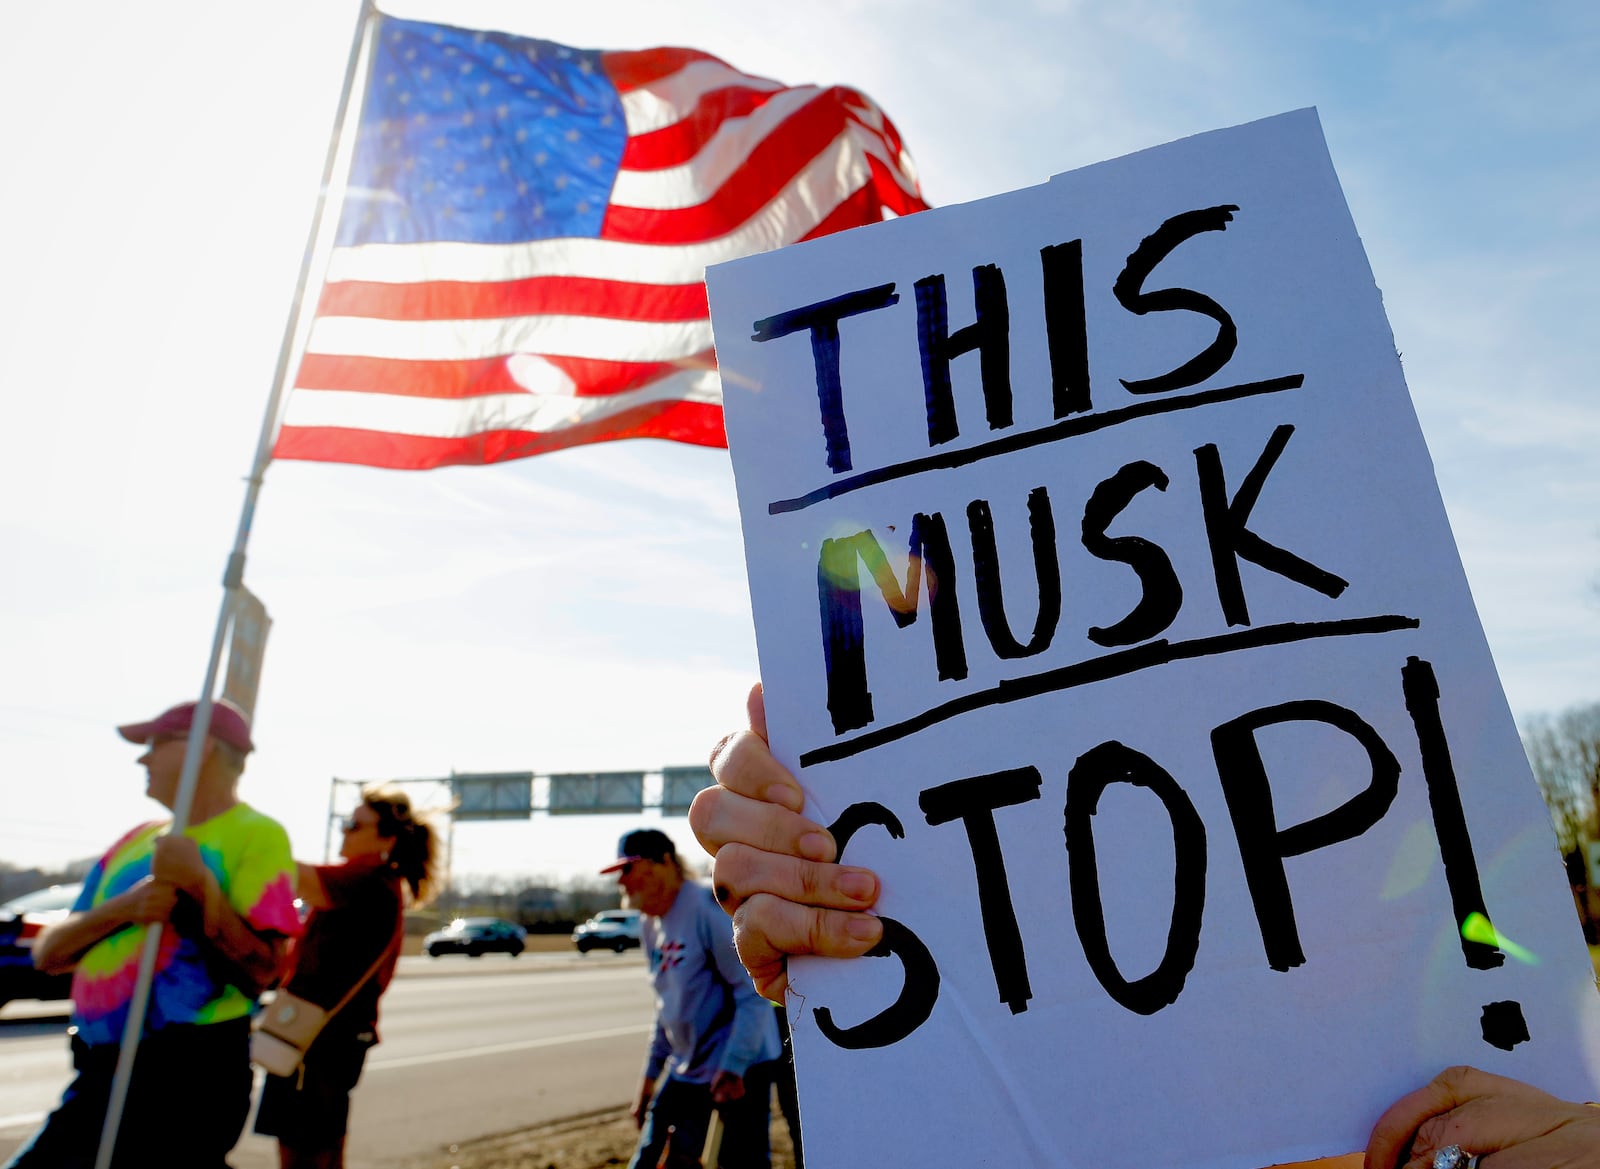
{"type": "Point", "coordinates": [1455, 1157]}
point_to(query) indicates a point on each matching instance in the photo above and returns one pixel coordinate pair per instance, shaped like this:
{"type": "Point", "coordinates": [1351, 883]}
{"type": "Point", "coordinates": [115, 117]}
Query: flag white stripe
{"type": "Point", "coordinates": [693, 182]}
{"type": "Point", "coordinates": [669, 100]}
{"type": "Point", "coordinates": [898, 162]}
{"type": "Point", "coordinates": [606, 338]}
{"type": "Point", "coordinates": [698, 181]}
{"type": "Point", "coordinates": [827, 180]}
{"type": "Point", "coordinates": [463, 417]}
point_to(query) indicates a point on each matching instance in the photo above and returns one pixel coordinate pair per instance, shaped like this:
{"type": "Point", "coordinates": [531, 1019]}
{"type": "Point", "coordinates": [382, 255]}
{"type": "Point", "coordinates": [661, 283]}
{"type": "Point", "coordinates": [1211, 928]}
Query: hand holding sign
{"type": "Point", "coordinates": [771, 871]}
{"type": "Point", "coordinates": [1484, 1114]}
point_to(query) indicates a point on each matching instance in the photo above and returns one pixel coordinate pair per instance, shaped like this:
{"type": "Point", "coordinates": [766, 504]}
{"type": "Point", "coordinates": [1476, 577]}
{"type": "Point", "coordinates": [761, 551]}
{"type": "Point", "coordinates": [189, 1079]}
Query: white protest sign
{"type": "Point", "coordinates": [1106, 603]}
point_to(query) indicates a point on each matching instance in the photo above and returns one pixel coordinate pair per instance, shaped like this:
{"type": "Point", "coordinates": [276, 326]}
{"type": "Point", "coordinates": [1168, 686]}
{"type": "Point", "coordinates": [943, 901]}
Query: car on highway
{"type": "Point", "coordinates": [610, 929]}
{"type": "Point", "coordinates": [475, 937]}
{"type": "Point", "coordinates": [21, 919]}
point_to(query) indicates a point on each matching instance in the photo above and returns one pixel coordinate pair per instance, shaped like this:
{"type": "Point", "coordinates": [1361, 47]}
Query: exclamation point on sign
{"type": "Point", "coordinates": [1503, 1024]}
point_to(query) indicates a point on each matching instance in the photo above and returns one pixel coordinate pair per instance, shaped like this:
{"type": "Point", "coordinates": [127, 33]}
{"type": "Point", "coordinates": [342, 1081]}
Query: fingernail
{"type": "Point", "coordinates": [816, 846]}
{"type": "Point", "coordinates": [858, 886]}
{"type": "Point", "coordinates": [864, 929]}
{"type": "Point", "coordinates": [787, 795]}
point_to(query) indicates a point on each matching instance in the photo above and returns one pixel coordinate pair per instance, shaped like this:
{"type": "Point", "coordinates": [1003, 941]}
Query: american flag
{"type": "Point", "coordinates": [520, 259]}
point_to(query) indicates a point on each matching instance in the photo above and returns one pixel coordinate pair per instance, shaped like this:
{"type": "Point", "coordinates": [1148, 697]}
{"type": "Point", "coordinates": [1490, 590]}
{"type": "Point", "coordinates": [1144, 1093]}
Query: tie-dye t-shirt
{"type": "Point", "coordinates": [249, 854]}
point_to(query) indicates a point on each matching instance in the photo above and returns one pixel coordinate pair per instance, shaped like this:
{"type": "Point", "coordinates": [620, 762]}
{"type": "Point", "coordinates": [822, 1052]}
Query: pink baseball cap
{"type": "Point", "coordinates": [228, 725]}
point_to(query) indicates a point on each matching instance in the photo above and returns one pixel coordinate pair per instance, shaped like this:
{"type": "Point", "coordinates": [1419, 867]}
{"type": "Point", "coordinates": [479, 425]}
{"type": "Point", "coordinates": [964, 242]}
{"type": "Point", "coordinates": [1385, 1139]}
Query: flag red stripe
{"type": "Point", "coordinates": [456, 300]}
{"type": "Point", "coordinates": [678, 143]}
{"type": "Point", "coordinates": [699, 423]}
{"type": "Point", "coordinates": [411, 379]}
{"type": "Point", "coordinates": [632, 69]}
{"type": "Point", "coordinates": [863, 206]}
{"type": "Point", "coordinates": [859, 208]}
{"type": "Point", "coordinates": [770, 164]}
{"type": "Point", "coordinates": [597, 378]}
{"type": "Point", "coordinates": [894, 196]}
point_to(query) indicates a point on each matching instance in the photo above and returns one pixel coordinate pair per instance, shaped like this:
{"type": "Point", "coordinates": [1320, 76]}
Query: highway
{"type": "Point", "coordinates": [471, 1048]}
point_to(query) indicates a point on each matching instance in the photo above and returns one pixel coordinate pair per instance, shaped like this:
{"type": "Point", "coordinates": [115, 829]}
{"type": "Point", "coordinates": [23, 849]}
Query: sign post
{"type": "Point", "coordinates": [1107, 607]}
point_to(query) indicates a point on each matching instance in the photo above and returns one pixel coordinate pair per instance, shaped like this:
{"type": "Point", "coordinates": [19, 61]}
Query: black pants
{"type": "Point", "coordinates": [186, 1106]}
{"type": "Point", "coordinates": [310, 1112]}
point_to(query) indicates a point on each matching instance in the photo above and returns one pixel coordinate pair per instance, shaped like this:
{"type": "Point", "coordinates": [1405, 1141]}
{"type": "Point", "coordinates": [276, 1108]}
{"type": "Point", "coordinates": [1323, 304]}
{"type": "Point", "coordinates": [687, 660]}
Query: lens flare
{"type": "Point", "coordinates": [1478, 928]}
{"type": "Point", "coordinates": [1414, 862]}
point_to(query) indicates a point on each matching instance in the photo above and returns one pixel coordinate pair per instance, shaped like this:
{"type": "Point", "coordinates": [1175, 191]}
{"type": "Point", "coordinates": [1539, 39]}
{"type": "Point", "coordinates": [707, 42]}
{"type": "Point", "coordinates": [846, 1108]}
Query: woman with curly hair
{"type": "Point", "coordinates": [390, 858]}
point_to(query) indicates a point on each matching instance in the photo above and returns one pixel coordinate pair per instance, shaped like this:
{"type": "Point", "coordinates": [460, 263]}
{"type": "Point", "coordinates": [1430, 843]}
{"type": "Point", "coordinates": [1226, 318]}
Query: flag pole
{"type": "Point", "coordinates": [318, 245]}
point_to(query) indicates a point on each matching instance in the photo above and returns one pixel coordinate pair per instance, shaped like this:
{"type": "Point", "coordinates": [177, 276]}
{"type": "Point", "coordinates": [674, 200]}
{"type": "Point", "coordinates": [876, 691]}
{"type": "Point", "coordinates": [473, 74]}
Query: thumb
{"type": "Point", "coordinates": [756, 710]}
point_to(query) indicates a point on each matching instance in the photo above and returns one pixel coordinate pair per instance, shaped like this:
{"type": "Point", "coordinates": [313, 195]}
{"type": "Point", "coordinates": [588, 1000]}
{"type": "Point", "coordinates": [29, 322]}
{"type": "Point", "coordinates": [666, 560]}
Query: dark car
{"type": "Point", "coordinates": [475, 937]}
{"type": "Point", "coordinates": [21, 919]}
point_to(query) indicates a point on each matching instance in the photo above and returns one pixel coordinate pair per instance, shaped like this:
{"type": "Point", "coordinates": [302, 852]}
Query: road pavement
{"type": "Point", "coordinates": [471, 1048]}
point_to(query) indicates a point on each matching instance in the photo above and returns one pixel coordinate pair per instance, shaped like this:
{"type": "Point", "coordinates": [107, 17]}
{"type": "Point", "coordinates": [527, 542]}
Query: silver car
{"type": "Point", "coordinates": [610, 929]}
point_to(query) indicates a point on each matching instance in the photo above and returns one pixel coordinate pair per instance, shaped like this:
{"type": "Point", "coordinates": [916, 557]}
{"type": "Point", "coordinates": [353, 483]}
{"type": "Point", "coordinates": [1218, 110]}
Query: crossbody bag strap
{"type": "Point", "coordinates": [362, 981]}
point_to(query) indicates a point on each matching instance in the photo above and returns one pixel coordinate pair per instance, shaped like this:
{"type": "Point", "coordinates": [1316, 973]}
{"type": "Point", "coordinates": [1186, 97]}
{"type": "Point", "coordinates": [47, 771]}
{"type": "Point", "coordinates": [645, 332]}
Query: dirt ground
{"type": "Point", "coordinates": [599, 1140]}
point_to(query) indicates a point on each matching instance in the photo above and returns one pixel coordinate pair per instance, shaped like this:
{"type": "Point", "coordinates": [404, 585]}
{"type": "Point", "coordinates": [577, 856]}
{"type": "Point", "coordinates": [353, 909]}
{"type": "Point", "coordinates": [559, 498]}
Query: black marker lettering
{"type": "Point", "coordinates": [973, 801]}
{"type": "Point", "coordinates": [908, 1012]}
{"type": "Point", "coordinates": [1163, 595]}
{"type": "Point", "coordinates": [1095, 770]}
{"type": "Point", "coordinates": [921, 987]}
{"type": "Point", "coordinates": [990, 334]}
{"type": "Point", "coordinates": [839, 605]}
{"type": "Point", "coordinates": [1503, 1024]}
{"type": "Point", "coordinates": [1263, 846]}
{"type": "Point", "coordinates": [857, 816]}
{"type": "Point", "coordinates": [1230, 539]}
{"type": "Point", "coordinates": [1421, 689]}
{"type": "Point", "coordinates": [1116, 664]}
{"type": "Point", "coordinates": [1066, 327]}
{"type": "Point", "coordinates": [822, 319]}
{"type": "Point", "coordinates": [986, 576]}
{"type": "Point", "coordinates": [1129, 291]}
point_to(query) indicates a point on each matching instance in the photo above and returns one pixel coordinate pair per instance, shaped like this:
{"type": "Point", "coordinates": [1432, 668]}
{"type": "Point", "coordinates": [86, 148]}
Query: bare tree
{"type": "Point", "coordinates": [1564, 751]}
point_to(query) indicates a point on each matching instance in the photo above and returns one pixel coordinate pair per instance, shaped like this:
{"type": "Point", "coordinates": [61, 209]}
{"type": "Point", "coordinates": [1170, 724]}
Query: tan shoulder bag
{"type": "Point", "coordinates": [284, 1029]}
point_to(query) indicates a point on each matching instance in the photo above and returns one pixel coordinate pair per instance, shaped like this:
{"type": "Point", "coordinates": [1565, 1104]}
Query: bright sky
{"type": "Point", "coordinates": [587, 610]}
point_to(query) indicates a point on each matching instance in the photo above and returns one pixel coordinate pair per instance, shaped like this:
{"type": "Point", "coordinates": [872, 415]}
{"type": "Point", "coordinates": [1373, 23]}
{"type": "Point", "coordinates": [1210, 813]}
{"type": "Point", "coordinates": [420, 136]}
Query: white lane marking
{"type": "Point", "coordinates": [410, 1061]}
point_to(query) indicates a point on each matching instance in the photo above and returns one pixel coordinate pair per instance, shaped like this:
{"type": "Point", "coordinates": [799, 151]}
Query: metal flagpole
{"type": "Point", "coordinates": [318, 245]}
